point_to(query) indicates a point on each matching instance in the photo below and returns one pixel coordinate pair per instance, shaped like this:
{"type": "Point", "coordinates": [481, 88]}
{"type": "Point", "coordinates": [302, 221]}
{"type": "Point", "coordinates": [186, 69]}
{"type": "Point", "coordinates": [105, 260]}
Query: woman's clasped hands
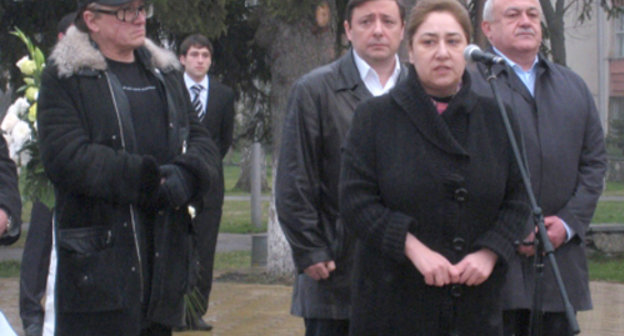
{"type": "Point", "coordinates": [472, 270]}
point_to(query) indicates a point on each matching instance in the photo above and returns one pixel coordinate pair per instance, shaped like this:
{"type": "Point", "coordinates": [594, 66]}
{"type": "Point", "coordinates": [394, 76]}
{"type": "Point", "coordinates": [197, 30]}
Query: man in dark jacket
{"type": "Point", "coordinates": [126, 154]}
{"type": "Point", "coordinates": [319, 112]}
{"type": "Point", "coordinates": [566, 156]}
{"type": "Point", "coordinates": [214, 105]}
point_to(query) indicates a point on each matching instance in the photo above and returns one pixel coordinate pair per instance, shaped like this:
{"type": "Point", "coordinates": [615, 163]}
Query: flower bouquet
{"type": "Point", "coordinates": [19, 127]}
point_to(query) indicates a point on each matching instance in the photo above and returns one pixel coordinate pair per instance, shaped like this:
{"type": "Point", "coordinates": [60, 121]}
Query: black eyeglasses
{"type": "Point", "coordinates": [128, 14]}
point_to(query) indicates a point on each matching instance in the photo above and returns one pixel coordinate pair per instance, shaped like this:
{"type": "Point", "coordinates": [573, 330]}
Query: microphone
{"type": "Point", "coordinates": [473, 53]}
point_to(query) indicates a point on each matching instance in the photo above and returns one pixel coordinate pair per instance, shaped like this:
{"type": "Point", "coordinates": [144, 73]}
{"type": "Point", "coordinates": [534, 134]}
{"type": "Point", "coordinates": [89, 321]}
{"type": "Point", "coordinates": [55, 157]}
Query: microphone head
{"type": "Point", "coordinates": [469, 50]}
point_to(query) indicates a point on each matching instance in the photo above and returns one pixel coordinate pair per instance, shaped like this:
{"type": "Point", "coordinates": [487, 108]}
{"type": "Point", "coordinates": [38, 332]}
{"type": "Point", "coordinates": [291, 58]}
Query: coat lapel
{"type": "Point", "coordinates": [211, 104]}
{"type": "Point", "coordinates": [349, 78]}
{"type": "Point", "coordinates": [421, 111]}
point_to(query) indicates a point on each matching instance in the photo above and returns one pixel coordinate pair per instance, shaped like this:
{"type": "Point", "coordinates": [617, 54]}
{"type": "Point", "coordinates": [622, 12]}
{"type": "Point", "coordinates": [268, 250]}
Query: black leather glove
{"type": "Point", "coordinates": [149, 185]}
{"type": "Point", "coordinates": [177, 186]}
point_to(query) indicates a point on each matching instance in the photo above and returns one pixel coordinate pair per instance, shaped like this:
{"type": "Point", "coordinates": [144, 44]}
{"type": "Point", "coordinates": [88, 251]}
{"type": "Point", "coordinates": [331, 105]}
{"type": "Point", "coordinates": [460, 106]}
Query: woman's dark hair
{"type": "Point", "coordinates": [424, 7]}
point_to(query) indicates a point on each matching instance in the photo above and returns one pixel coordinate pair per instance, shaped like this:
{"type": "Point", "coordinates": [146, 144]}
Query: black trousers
{"type": "Point", "coordinates": [517, 323]}
{"type": "Point", "coordinates": [35, 265]}
{"type": "Point", "coordinates": [326, 327]}
{"type": "Point", "coordinates": [206, 226]}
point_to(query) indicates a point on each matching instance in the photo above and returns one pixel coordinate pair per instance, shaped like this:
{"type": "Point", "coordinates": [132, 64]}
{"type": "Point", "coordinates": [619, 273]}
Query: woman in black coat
{"type": "Point", "coordinates": [430, 187]}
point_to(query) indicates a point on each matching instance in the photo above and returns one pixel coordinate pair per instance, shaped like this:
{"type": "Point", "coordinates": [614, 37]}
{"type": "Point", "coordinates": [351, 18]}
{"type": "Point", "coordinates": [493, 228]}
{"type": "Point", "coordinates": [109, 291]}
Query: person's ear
{"type": "Point", "coordinates": [89, 19]}
{"type": "Point", "coordinates": [486, 28]}
{"type": "Point", "coordinates": [347, 28]}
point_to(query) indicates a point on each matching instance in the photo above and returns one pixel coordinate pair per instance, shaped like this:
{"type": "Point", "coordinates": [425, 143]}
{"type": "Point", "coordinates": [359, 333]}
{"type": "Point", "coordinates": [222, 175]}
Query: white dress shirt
{"type": "Point", "coordinates": [205, 83]}
{"type": "Point", "coordinates": [371, 78]}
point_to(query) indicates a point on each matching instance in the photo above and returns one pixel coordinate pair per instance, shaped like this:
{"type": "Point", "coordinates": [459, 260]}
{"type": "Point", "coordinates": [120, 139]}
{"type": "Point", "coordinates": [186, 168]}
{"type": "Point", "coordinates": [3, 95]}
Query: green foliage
{"type": "Point", "coordinates": [587, 9]}
{"type": "Point", "coordinates": [230, 261]}
{"type": "Point", "coordinates": [609, 212]}
{"type": "Point", "coordinates": [237, 217]}
{"type": "Point", "coordinates": [616, 134]}
{"type": "Point", "coordinates": [9, 269]}
{"type": "Point", "coordinates": [180, 18]}
{"type": "Point", "coordinates": [606, 267]}
{"type": "Point", "coordinates": [614, 189]}
{"type": "Point", "coordinates": [35, 18]}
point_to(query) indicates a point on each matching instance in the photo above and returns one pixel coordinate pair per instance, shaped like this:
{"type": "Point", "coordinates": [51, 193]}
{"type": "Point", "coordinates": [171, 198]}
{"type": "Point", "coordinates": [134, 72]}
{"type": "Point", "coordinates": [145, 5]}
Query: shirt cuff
{"type": "Point", "coordinates": [569, 232]}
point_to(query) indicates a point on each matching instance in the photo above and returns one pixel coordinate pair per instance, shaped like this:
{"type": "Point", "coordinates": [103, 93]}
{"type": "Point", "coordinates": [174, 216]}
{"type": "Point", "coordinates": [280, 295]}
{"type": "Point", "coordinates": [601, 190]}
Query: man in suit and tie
{"type": "Point", "coordinates": [214, 103]}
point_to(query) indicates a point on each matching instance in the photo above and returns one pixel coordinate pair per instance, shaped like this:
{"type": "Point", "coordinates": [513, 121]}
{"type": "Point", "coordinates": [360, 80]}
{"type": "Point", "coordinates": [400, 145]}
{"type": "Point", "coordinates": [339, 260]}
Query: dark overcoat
{"type": "Point", "coordinates": [567, 162]}
{"type": "Point", "coordinates": [448, 179]}
{"type": "Point", "coordinates": [10, 200]}
{"type": "Point", "coordinates": [319, 112]}
{"type": "Point", "coordinates": [89, 152]}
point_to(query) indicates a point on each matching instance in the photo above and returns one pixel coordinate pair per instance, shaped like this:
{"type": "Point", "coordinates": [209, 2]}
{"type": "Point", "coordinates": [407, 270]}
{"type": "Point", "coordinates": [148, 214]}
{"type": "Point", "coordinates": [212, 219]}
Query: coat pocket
{"type": "Point", "coordinates": [88, 274]}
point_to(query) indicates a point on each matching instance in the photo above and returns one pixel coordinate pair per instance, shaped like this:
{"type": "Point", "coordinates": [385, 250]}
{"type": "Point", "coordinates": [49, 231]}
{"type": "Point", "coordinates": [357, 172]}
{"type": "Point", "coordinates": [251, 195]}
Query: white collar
{"type": "Point", "coordinates": [370, 77]}
{"type": "Point", "coordinates": [190, 82]}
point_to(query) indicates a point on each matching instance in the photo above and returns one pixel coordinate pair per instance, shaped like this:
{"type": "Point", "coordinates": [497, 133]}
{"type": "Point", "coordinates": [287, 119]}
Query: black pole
{"type": "Point", "coordinates": [543, 245]}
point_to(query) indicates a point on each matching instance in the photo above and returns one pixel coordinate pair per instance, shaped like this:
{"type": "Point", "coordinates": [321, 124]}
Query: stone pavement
{"type": "Point", "coordinates": [262, 310]}
{"type": "Point", "coordinates": [249, 309]}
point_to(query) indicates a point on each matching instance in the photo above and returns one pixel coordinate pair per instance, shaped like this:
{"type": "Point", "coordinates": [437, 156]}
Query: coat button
{"type": "Point", "coordinates": [133, 269]}
{"type": "Point", "coordinates": [459, 244]}
{"type": "Point", "coordinates": [461, 195]}
{"type": "Point", "coordinates": [456, 291]}
{"type": "Point", "coordinates": [125, 224]}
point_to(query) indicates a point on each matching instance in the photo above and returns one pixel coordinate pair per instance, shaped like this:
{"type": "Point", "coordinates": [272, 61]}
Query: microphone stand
{"type": "Point", "coordinates": [543, 246]}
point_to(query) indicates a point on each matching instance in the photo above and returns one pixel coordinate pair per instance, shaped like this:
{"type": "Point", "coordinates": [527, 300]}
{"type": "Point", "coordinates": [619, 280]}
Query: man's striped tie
{"type": "Point", "coordinates": [197, 104]}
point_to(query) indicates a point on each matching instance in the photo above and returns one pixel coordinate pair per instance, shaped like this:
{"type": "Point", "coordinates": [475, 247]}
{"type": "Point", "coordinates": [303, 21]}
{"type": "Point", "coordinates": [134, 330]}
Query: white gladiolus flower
{"type": "Point", "coordinates": [10, 119]}
{"type": "Point", "coordinates": [26, 65]}
{"type": "Point", "coordinates": [21, 106]}
{"type": "Point", "coordinates": [20, 133]}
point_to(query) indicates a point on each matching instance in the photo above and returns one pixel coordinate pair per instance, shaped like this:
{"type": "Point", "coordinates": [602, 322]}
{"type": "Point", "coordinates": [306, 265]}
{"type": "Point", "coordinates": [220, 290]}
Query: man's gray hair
{"type": "Point", "coordinates": [488, 10]}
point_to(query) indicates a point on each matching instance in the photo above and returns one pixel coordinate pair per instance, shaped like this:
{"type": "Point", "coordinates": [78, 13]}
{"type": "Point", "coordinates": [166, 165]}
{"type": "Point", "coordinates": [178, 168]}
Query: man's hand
{"type": "Point", "coordinates": [436, 269]}
{"type": "Point", "coordinates": [527, 250]}
{"type": "Point", "coordinates": [320, 271]}
{"type": "Point", "coordinates": [4, 221]}
{"type": "Point", "coordinates": [556, 230]}
{"type": "Point", "coordinates": [476, 267]}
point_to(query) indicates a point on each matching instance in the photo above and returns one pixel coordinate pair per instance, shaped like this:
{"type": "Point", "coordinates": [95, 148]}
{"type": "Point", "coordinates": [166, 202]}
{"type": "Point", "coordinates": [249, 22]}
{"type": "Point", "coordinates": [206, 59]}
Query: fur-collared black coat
{"type": "Point", "coordinates": [102, 186]}
{"type": "Point", "coordinates": [448, 179]}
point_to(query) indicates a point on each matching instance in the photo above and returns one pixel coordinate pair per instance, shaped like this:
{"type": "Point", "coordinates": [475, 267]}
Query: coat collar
{"type": "Point", "coordinates": [514, 83]}
{"type": "Point", "coordinates": [417, 104]}
{"type": "Point", "coordinates": [76, 52]}
{"type": "Point", "coordinates": [349, 76]}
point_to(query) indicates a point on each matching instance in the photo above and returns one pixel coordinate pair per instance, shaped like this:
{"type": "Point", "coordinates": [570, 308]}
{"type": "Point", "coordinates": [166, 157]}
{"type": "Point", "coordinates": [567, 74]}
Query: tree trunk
{"type": "Point", "coordinates": [244, 181]}
{"type": "Point", "coordinates": [554, 20]}
{"type": "Point", "coordinates": [293, 49]}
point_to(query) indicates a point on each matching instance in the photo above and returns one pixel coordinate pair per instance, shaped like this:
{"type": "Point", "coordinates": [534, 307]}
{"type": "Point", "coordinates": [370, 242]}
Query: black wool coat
{"type": "Point", "coordinates": [448, 179]}
{"type": "Point", "coordinates": [103, 185]}
{"type": "Point", "coordinates": [10, 200]}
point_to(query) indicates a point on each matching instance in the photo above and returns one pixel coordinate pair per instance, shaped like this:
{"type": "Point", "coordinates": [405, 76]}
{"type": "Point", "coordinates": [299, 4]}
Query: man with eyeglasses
{"type": "Point", "coordinates": [127, 156]}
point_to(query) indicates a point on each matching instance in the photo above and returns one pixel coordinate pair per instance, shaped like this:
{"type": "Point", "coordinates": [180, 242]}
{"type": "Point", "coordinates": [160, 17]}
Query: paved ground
{"type": "Point", "coordinates": [262, 310]}
{"type": "Point", "coordinates": [238, 309]}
